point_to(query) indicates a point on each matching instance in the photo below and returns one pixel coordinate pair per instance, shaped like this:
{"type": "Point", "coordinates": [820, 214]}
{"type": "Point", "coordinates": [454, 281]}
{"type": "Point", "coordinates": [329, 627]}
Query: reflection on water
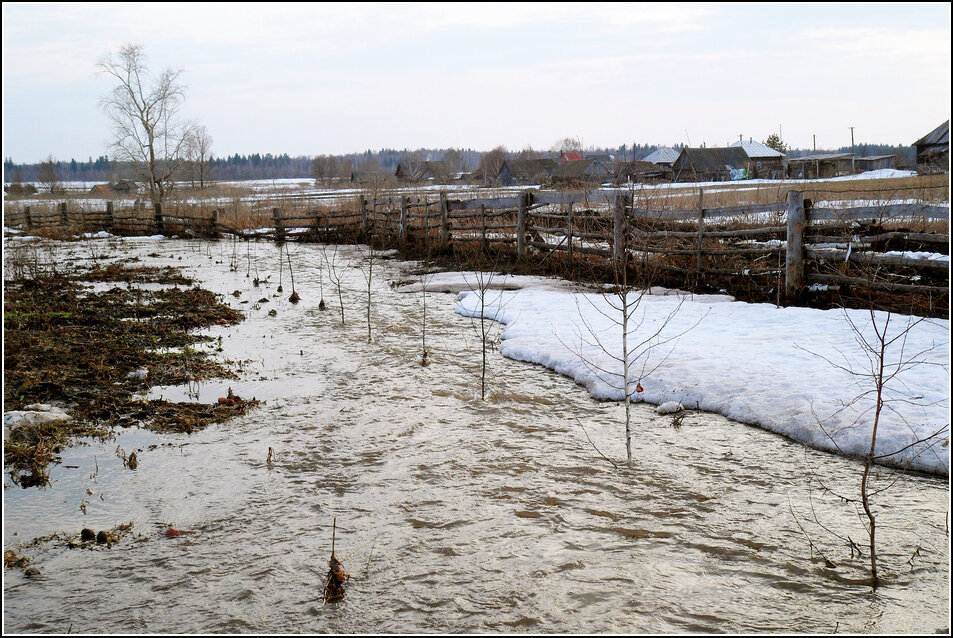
{"type": "Point", "coordinates": [453, 514]}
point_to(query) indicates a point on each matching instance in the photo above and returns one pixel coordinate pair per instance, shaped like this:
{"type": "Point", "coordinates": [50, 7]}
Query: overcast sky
{"type": "Point", "coordinates": [313, 79]}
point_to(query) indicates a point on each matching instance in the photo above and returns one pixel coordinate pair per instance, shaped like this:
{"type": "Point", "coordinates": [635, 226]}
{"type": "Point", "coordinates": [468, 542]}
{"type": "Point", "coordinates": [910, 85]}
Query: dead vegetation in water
{"type": "Point", "coordinates": [93, 351]}
{"type": "Point", "coordinates": [334, 581]}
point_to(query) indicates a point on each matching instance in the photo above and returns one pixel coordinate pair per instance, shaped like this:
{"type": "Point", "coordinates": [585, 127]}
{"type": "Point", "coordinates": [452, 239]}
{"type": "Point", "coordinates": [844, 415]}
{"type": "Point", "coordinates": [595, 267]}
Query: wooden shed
{"type": "Point", "coordinates": [820, 166]}
{"type": "Point", "coordinates": [875, 163]}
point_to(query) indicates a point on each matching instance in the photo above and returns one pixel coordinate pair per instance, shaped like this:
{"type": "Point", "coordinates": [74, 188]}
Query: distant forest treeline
{"type": "Point", "coordinates": [268, 166]}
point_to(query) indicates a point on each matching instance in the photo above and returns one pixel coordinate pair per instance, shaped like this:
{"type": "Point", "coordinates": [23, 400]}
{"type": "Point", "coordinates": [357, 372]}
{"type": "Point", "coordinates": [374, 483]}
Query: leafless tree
{"type": "Point", "coordinates": [335, 273]}
{"type": "Point", "coordinates": [882, 354]}
{"type": "Point", "coordinates": [491, 163]}
{"type": "Point", "coordinates": [324, 168]}
{"type": "Point", "coordinates": [529, 153]}
{"type": "Point", "coordinates": [369, 257]}
{"type": "Point", "coordinates": [567, 145]}
{"type": "Point", "coordinates": [48, 176]}
{"type": "Point", "coordinates": [453, 159]}
{"type": "Point", "coordinates": [199, 154]}
{"type": "Point", "coordinates": [485, 284]}
{"type": "Point", "coordinates": [148, 132]}
{"type": "Point", "coordinates": [639, 353]}
{"type": "Point", "coordinates": [425, 279]}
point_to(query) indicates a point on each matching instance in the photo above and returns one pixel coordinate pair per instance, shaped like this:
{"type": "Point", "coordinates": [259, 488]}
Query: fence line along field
{"type": "Point", "coordinates": [821, 243]}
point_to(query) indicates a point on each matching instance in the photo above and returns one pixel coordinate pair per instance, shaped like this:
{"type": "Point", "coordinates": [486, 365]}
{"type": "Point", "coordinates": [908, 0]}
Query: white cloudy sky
{"type": "Point", "coordinates": [310, 79]}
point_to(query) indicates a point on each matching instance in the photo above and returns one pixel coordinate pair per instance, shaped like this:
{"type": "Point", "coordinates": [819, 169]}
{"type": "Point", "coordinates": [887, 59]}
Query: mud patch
{"type": "Point", "coordinates": [91, 353]}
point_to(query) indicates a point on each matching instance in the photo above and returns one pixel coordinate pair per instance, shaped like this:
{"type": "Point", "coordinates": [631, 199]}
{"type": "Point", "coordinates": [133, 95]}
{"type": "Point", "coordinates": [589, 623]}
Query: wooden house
{"type": "Point", "coordinates": [933, 150]}
{"type": "Point", "coordinates": [581, 171]}
{"type": "Point", "coordinates": [417, 172]}
{"type": "Point", "coordinates": [710, 164]}
{"type": "Point", "coordinates": [764, 161]}
{"type": "Point", "coordinates": [526, 171]}
{"type": "Point", "coordinates": [638, 171]}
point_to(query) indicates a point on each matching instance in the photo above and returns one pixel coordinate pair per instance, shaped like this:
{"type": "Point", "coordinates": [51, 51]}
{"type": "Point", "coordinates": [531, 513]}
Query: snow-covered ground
{"type": "Point", "coordinates": [796, 371]}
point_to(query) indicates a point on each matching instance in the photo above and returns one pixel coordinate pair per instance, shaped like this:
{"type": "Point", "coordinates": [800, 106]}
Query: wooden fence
{"type": "Point", "coordinates": [790, 242]}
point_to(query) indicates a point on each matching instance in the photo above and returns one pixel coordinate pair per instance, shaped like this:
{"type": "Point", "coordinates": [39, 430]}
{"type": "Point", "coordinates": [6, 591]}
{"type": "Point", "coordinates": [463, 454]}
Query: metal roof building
{"type": "Point", "coordinates": [663, 156]}
{"type": "Point", "coordinates": [757, 150]}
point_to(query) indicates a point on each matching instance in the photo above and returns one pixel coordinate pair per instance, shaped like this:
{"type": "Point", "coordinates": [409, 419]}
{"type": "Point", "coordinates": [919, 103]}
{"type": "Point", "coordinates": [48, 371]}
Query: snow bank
{"type": "Point", "coordinates": [35, 414]}
{"type": "Point", "coordinates": [753, 363]}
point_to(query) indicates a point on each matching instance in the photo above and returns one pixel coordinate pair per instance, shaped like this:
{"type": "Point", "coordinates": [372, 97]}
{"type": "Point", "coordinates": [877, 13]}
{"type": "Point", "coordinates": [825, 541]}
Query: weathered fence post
{"type": "Point", "coordinates": [213, 223]}
{"type": "Point", "coordinates": [402, 222]}
{"type": "Point", "coordinates": [29, 218]}
{"type": "Point", "coordinates": [157, 219]}
{"type": "Point", "coordinates": [279, 224]}
{"type": "Point", "coordinates": [618, 227]}
{"type": "Point", "coordinates": [363, 209]}
{"type": "Point", "coordinates": [64, 215]}
{"type": "Point", "coordinates": [701, 233]}
{"type": "Point", "coordinates": [569, 234]}
{"type": "Point", "coordinates": [444, 220]}
{"type": "Point", "coordinates": [794, 253]}
{"type": "Point", "coordinates": [521, 225]}
{"type": "Point", "coordinates": [485, 245]}
{"type": "Point", "coordinates": [109, 216]}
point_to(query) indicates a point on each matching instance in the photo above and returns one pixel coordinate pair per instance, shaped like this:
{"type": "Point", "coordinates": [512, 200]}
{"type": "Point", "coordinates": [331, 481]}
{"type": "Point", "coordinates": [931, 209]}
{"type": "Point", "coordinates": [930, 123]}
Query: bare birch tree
{"type": "Point", "coordinates": [199, 154]}
{"type": "Point", "coordinates": [335, 274]}
{"type": "Point", "coordinates": [368, 257]}
{"type": "Point", "coordinates": [148, 131]}
{"type": "Point", "coordinates": [882, 355]}
{"type": "Point", "coordinates": [480, 284]}
{"type": "Point", "coordinates": [642, 339]}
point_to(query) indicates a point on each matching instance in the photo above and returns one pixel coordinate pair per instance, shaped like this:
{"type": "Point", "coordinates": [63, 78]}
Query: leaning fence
{"type": "Point", "coordinates": [791, 246]}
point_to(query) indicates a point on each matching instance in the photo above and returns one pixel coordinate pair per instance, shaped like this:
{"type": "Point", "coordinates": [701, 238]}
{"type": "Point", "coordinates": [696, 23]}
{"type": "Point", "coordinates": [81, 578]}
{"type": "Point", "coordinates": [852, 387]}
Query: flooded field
{"type": "Point", "coordinates": [453, 514]}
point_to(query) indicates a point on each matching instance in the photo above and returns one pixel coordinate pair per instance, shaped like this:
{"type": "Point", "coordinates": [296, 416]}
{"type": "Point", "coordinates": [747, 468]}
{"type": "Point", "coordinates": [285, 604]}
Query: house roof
{"type": "Point", "coordinates": [529, 168]}
{"type": "Point", "coordinates": [876, 157]}
{"type": "Point", "coordinates": [634, 168]}
{"type": "Point", "coordinates": [823, 157]}
{"type": "Point", "coordinates": [939, 135]}
{"type": "Point", "coordinates": [571, 156]}
{"type": "Point", "coordinates": [663, 155]}
{"type": "Point", "coordinates": [576, 169]}
{"type": "Point", "coordinates": [712, 160]}
{"type": "Point", "coordinates": [757, 150]}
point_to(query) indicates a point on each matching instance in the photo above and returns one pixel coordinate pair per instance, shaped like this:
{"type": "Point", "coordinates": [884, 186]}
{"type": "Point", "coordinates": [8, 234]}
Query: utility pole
{"type": "Point", "coordinates": [852, 169]}
{"type": "Point", "coordinates": [815, 142]}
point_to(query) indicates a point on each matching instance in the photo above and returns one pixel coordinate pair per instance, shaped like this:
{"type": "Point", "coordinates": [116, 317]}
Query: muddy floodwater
{"type": "Point", "coordinates": [453, 514]}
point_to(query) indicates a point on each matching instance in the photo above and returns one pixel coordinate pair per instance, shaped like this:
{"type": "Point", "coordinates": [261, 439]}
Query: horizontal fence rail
{"type": "Point", "coordinates": [790, 241]}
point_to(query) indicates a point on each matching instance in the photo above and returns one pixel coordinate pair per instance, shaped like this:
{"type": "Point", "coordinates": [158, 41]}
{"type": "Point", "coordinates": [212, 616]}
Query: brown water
{"type": "Point", "coordinates": [453, 514]}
